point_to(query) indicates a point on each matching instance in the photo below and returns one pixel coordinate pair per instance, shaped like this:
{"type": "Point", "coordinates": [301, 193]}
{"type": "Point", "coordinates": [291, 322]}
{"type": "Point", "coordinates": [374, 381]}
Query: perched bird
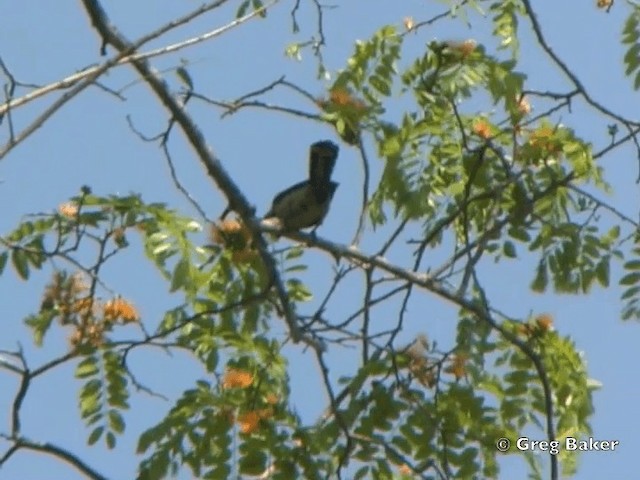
{"type": "Point", "coordinates": [305, 204]}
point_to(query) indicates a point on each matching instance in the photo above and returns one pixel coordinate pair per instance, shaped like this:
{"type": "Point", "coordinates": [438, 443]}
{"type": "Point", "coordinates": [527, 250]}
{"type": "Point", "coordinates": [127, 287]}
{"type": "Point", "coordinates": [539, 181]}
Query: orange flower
{"type": "Point", "coordinates": [604, 3]}
{"type": "Point", "coordinates": [544, 140]}
{"type": "Point", "coordinates": [231, 233]}
{"type": "Point", "coordinates": [76, 337]}
{"type": "Point", "coordinates": [541, 136]}
{"type": "Point", "coordinates": [248, 422]}
{"type": "Point", "coordinates": [544, 322]}
{"type": "Point", "coordinates": [120, 308]}
{"type": "Point", "coordinates": [69, 210]}
{"type": "Point", "coordinates": [235, 378]}
{"type": "Point", "coordinates": [482, 128]}
{"type": "Point", "coordinates": [344, 99]}
{"type": "Point", "coordinates": [457, 366]}
{"type": "Point", "coordinates": [82, 305]}
{"type": "Point", "coordinates": [405, 469]}
{"type": "Point", "coordinates": [272, 399]}
{"type": "Point", "coordinates": [465, 48]}
{"type": "Point", "coordinates": [340, 96]}
{"type": "Point", "coordinates": [95, 334]}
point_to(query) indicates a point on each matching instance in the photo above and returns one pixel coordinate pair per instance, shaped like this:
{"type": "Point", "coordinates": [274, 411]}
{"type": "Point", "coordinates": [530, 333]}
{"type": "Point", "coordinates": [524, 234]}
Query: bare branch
{"type": "Point", "coordinates": [537, 29]}
{"type": "Point", "coordinates": [73, 79]}
{"type": "Point", "coordinates": [55, 451]}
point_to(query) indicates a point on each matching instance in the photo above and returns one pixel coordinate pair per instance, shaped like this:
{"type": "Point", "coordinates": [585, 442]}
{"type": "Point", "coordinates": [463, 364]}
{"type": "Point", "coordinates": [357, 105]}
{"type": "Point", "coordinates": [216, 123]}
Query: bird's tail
{"type": "Point", "coordinates": [322, 159]}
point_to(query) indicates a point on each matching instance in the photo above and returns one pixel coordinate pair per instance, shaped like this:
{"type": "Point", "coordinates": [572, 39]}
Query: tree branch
{"type": "Point", "coordinates": [53, 450]}
{"type": "Point", "coordinates": [237, 201]}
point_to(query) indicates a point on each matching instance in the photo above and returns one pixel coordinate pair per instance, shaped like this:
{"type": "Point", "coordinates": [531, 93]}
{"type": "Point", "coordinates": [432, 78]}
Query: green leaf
{"type": "Point", "coordinates": [146, 439]}
{"type": "Point", "coordinates": [363, 472]}
{"type": "Point", "coordinates": [35, 252]}
{"type": "Point", "coordinates": [110, 440]}
{"type": "Point", "coordinates": [87, 367]}
{"type": "Point", "coordinates": [4, 256]}
{"type": "Point", "coordinates": [541, 280]}
{"type": "Point", "coordinates": [630, 292]}
{"type": "Point", "coordinates": [180, 275]}
{"type": "Point", "coordinates": [183, 75]}
{"type": "Point", "coordinates": [253, 463]}
{"type": "Point", "coordinates": [242, 9]}
{"type": "Point", "coordinates": [257, 5]}
{"type": "Point", "coordinates": [509, 249]}
{"type": "Point", "coordinates": [20, 263]}
{"type": "Point", "coordinates": [519, 233]}
{"type": "Point", "coordinates": [602, 272]}
{"type": "Point", "coordinates": [293, 51]}
{"type": "Point", "coordinates": [630, 279]}
{"type": "Point", "coordinates": [116, 422]}
{"type": "Point", "coordinates": [40, 324]}
{"type": "Point", "coordinates": [95, 435]}
{"type": "Point", "coordinates": [632, 265]}
{"type": "Point", "coordinates": [380, 85]}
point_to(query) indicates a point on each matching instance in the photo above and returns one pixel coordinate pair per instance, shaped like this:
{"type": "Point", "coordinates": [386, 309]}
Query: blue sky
{"type": "Point", "coordinates": [89, 142]}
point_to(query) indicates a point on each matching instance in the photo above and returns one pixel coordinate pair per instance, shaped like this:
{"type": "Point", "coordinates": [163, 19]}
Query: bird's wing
{"type": "Point", "coordinates": [288, 200]}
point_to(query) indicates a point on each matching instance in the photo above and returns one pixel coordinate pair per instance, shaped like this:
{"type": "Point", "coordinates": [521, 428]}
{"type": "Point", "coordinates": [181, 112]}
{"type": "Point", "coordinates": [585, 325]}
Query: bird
{"type": "Point", "coordinates": [306, 203]}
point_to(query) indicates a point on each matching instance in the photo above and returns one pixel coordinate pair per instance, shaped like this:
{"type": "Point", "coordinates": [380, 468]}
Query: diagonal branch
{"type": "Point", "coordinates": [53, 450]}
{"type": "Point", "coordinates": [566, 70]}
{"type": "Point", "coordinates": [237, 201]}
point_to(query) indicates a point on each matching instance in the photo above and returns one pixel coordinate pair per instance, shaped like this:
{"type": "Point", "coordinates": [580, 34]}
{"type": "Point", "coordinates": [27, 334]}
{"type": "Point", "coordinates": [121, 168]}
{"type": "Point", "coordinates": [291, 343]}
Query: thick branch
{"type": "Point", "coordinates": [213, 166]}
